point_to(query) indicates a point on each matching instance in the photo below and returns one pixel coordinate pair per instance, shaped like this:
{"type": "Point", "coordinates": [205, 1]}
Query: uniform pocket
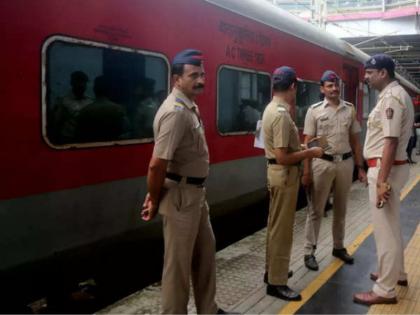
{"type": "Point", "coordinates": [170, 201]}
{"type": "Point", "coordinates": [344, 125]}
{"type": "Point", "coordinates": [191, 198]}
{"type": "Point", "coordinates": [323, 127]}
{"type": "Point", "coordinates": [277, 176]}
{"type": "Point", "coordinates": [198, 136]}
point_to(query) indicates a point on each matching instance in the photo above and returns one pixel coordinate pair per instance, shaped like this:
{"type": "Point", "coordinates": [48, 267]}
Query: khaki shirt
{"type": "Point", "coordinates": [336, 124]}
{"type": "Point", "coordinates": [393, 116]}
{"type": "Point", "coordinates": [279, 128]}
{"type": "Point", "coordinates": [179, 136]}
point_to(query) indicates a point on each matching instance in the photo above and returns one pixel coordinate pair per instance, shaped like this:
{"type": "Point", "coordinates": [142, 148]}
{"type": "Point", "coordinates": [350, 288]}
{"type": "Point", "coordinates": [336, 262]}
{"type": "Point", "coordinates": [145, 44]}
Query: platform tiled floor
{"type": "Point", "coordinates": [240, 267]}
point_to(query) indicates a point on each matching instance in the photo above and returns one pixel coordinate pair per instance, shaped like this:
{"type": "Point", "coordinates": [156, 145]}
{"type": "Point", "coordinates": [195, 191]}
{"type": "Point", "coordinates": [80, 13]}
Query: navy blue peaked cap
{"type": "Point", "coordinates": [380, 61]}
{"type": "Point", "coordinates": [284, 75]}
{"type": "Point", "coordinates": [189, 56]}
{"type": "Point", "coordinates": [329, 75]}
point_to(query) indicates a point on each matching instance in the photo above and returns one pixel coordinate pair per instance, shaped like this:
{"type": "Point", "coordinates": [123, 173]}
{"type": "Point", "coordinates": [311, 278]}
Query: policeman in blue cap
{"type": "Point", "coordinates": [388, 131]}
{"type": "Point", "coordinates": [284, 154]}
{"type": "Point", "coordinates": [177, 172]}
{"type": "Point", "coordinates": [334, 120]}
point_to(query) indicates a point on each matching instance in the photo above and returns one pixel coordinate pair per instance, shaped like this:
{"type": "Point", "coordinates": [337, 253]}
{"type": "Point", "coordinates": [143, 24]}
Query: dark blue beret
{"type": "Point", "coordinates": [284, 75]}
{"type": "Point", "coordinates": [329, 76]}
{"type": "Point", "coordinates": [189, 56]}
{"type": "Point", "coordinates": [380, 61]}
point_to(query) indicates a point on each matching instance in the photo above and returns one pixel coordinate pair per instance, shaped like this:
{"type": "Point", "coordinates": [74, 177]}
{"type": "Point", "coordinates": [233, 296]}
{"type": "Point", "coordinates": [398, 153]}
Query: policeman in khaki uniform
{"type": "Point", "coordinates": [388, 132]}
{"type": "Point", "coordinates": [335, 120]}
{"type": "Point", "coordinates": [283, 152]}
{"type": "Point", "coordinates": [177, 171]}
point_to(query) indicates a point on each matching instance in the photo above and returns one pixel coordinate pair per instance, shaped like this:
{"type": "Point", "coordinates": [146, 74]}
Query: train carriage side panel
{"type": "Point", "coordinates": [54, 199]}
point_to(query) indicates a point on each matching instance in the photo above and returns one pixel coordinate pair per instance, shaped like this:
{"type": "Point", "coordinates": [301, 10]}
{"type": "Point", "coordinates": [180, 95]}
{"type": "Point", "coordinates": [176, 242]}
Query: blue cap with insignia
{"type": "Point", "coordinates": [189, 56]}
{"type": "Point", "coordinates": [380, 61]}
{"type": "Point", "coordinates": [284, 75]}
{"type": "Point", "coordinates": [329, 76]}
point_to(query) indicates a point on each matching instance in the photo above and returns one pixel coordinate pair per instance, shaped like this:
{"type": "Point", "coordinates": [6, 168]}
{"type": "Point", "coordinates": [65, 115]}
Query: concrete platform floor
{"type": "Point", "coordinates": [240, 267]}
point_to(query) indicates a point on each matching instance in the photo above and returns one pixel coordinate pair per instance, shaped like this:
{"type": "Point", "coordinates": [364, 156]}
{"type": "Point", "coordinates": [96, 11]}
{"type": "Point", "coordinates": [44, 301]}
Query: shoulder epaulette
{"type": "Point", "coordinates": [348, 104]}
{"type": "Point", "coordinates": [179, 104]}
{"type": "Point", "coordinates": [398, 100]}
{"type": "Point", "coordinates": [180, 100]}
{"type": "Point", "coordinates": [317, 104]}
{"type": "Point", "coordinates": [281, 109]}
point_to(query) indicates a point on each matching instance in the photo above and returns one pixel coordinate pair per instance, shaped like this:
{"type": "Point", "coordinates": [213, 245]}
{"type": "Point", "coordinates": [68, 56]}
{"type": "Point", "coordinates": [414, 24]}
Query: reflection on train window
{"type": "Point", "coordinates": [100, 94]}
{"type": "Point", "coordinates": [242, 96]}
{"type": "Point", "coordinates": [308, 93]}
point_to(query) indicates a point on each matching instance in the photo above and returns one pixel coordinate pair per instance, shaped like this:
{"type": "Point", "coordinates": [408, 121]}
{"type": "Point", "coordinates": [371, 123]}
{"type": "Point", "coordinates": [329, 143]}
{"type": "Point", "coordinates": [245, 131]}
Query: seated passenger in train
{"type": "Point", "coordinates": [102, 120]}
{"type": "Point", "coordinates": [146, 104]}
{"type": "Point", "coordinates": [67, 109]}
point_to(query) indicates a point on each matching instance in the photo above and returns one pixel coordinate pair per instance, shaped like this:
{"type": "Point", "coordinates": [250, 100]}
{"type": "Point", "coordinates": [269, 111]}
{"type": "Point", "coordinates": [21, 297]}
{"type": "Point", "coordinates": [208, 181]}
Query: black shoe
{"type": "Point", "coordinates": [289, 275]}
{"type": "Point", "coordinates": [283, 292]}
{"type": "Point", "coordinates": [343, 255]}
{"type": "Point", "coordinates": [221, 311]}
{"type": "Point", "coordinates": [311, 263]}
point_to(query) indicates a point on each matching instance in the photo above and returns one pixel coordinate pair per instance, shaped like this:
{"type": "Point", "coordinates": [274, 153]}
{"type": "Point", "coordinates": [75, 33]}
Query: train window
{"type": "Point", "coordinates": [96, 94]}
{"type": "Point", "coordinates": [308, 93]}
{"type": "Point", "coordinates": [242, 96]}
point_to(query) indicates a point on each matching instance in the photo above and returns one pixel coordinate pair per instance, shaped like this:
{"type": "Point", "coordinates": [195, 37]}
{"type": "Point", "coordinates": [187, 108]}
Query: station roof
{"type": "Point", "coordinates": [405, 49]}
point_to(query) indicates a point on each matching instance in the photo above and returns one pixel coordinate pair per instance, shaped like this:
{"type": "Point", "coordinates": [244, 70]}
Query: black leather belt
{"type": "Point", "coordinates": [189, 180]}
{"type": "Point", "coordinates": [274, 161]}
{"type": "Point", "coordinates": [336, 157]}
{"type": "Point", "coordinates": [271, 161]}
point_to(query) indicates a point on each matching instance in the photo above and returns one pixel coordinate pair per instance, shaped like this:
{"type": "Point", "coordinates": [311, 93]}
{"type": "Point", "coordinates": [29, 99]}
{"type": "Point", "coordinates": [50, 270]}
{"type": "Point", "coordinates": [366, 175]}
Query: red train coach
{"type": "Point", "coordinates": [62, 189]}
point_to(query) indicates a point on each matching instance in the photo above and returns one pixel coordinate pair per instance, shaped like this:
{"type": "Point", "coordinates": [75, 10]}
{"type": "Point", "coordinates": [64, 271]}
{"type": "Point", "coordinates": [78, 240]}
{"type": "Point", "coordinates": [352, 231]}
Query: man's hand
{"type": "Point", "coordinates": [316, 152]}
{"type": "Point", "coordinates": [307, 180]}
{"type": "Point", "coordinates": [383, 192]}
{"type": "Point", "coordinates": [361, 174]}
{"type": "Point", "coordinates": [149, 209]}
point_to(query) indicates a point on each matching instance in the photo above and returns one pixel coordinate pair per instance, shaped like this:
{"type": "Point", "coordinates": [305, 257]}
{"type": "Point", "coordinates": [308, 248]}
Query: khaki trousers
{"type": "Point", "coordinates": [189, 250]}
{"type": "Point", "coordinates": [387, 231]}
{"type": "Point", "coordinates": [327, 176]}
{"type": "Point", "coordinates": [283, 184]}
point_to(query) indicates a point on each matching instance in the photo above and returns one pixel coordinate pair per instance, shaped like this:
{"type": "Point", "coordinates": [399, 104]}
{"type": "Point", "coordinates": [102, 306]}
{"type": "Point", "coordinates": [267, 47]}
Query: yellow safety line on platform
{"type": "Point", "coordinates": [330, 270]}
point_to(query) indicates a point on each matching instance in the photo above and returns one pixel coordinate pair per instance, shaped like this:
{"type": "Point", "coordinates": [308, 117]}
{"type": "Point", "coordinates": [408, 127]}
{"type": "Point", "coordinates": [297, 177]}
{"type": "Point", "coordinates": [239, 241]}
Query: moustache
{"type": "Point", "coordinates": [198, 86]}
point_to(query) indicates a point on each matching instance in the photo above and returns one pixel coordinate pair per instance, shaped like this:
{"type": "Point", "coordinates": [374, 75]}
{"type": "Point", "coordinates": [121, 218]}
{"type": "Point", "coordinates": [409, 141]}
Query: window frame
{"type": "Point", "coordinates": [249, 70]}
{"type": "Point", "coordinates": [296, 106]}
{"type": "Point", "coordinates": [90, 43]}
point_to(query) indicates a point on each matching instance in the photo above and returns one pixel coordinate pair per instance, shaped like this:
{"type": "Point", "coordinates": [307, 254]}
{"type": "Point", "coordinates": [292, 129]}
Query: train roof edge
{"type": "Point", "coordinates": [265, 13]}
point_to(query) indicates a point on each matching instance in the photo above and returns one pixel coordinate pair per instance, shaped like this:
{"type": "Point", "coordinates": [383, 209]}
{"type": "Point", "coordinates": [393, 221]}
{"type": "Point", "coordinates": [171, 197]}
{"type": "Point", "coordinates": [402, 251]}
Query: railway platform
{"type": "Point", "coordinates": [240, 267]}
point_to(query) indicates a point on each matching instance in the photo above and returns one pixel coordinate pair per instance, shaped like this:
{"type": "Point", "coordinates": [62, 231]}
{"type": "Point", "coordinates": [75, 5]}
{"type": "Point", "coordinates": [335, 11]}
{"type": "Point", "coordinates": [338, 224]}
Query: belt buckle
{"type": "Point", "coordinates": [337, 158]}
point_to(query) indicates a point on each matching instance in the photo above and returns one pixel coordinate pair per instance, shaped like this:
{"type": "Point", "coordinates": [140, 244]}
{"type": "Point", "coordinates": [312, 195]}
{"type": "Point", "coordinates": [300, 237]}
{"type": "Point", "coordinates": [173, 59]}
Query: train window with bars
{"type": "Point", "coordinates": [96, 94]}
{"type": "Point", "coordinates": [242, 96]}
{"type": "Point", "coordinates": [308, 93]}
